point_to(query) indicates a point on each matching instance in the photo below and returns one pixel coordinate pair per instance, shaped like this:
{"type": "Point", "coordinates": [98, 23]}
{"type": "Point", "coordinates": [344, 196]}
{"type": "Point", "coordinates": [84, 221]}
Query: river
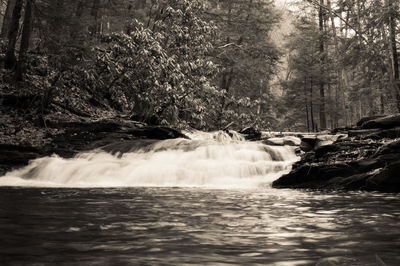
{"type": "Point", "coordinates": [205, 201]}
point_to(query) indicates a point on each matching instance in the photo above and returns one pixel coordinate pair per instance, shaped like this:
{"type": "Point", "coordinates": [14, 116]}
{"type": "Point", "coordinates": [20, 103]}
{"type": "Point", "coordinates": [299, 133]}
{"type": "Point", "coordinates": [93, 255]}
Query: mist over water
{"type": "Point", "coordinates": [214, 160]}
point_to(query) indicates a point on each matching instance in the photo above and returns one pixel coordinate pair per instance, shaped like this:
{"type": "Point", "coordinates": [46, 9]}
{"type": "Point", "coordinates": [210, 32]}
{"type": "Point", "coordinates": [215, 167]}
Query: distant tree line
{"type": "Point", "coordinates": [343, 63]}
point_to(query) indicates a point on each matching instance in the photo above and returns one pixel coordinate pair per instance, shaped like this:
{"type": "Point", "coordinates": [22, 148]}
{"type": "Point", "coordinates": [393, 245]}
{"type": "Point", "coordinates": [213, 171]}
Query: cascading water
{"type": "Point", "coordinates": [217, 160]}
{"type": "Point", "coordinates": [155, 203]}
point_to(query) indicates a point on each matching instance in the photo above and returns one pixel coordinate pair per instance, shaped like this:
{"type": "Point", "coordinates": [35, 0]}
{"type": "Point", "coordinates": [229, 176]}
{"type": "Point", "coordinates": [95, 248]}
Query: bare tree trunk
{"type": "Point", "coordinates": [26, 35]}
{"type": "Point", "coordinates": [7, 18]}
{"type": "Point", "coordinates": [339, 66]}
{"type": "Point", "coordinates": [322, 116]}
{"type": "Point", "coordinates": [10, 59]}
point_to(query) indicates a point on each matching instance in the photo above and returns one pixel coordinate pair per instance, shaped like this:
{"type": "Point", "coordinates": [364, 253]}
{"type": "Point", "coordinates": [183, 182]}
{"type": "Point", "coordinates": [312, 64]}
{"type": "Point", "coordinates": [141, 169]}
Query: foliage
{"type": "Point", "coordinates": [158, 61]}
{"type": "Point", "coordinates": [163, 74]}
{"type": "Point", "coordinates": [248, 58]}
{"type": "Point", "coordinates": [357, 66]}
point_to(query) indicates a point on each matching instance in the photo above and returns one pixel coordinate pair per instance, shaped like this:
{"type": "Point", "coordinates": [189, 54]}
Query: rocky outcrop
{"type": "Point", "coordinates": [368, 159]}
{"type": "Point", "coordinates": [385, 122]}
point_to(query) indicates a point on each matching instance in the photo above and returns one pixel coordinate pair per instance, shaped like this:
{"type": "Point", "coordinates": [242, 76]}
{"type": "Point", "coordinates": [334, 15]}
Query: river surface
{"type": "Point", "coordinates": [179, 203]}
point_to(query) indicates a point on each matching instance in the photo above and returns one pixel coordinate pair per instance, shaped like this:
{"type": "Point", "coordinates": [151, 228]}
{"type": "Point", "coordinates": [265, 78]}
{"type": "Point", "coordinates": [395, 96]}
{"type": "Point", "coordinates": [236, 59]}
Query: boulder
{"type": "Point", "coordinates": [314, 142]}
{"type": "Point", "coordinates": [282, 141]}
{"type": "Point", "coordinates": [308, 143]}
{"type": "Point", "coordinates": [385, 122]}
{"type": "Point", "coordinates": [364, 120]}
{"type": "Point", "coordinates": [155, 132]}
{"type": "Point", "coordinates": [250, 133]}
{"type": "Point", "coordinates": [386, 179]}
{"type": "Point", "coordinates": [366, 165]}
{"type": "Point", "coordinates": [392, 147]}
{"type": "Point", "coordinates": [377, 134]}
{"type": "Point", "coordinates": [367, 159]}
{"type": "Point", "coordinates": [313, 176]}
{"type": "Point", "coordinates": [362, 132]}
{"type": "Point", "coordinates": [325, 149]}
{"type": "Point", "coordinates": [370, 175]}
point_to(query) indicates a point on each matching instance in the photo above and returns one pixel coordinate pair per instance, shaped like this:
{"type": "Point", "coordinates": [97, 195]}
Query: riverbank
{"type": "Point", "coordinates": [34, 124]}
{"type": "Point", "coordinates": [368, 158]}
{"type": "Point", "coordinates": [23, 139]}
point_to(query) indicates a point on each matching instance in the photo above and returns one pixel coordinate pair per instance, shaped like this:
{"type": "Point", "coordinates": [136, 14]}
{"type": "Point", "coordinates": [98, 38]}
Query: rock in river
{"type": "Point", "coordinates": [365, 160]}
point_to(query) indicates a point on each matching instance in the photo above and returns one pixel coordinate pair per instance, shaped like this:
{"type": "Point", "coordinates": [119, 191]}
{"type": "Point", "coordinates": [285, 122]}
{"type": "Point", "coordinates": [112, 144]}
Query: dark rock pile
{"type": "Point", "coordinates": [367, 159]}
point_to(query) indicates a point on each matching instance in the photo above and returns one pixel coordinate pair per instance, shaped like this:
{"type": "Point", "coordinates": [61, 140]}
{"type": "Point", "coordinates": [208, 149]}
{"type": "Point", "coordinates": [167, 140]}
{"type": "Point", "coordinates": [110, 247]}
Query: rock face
{"type": "Point", "coordinates": [368, 159]}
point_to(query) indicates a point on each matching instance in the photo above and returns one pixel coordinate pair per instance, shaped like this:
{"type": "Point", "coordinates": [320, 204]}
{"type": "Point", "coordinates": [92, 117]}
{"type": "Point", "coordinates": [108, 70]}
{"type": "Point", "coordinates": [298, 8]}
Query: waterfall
{"type": "Point", "coordinates": [215, 160]}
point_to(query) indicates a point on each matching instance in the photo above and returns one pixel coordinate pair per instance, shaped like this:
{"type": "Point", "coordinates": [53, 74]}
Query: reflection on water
{"type": "Point", "coordinates": [172, 226]}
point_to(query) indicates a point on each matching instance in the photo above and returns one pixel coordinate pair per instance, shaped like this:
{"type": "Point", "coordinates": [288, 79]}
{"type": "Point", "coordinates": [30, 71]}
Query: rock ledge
{"type": "Point", "coordinates": [368, 159]}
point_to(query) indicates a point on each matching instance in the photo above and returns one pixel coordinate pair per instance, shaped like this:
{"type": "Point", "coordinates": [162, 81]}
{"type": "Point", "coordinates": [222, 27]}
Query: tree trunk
{"type": "Point", "coordinates": [26, 35]}
{"type": "Point", "coordinates": [95, 14]}
{"type": "Point", "coordinates": [322, 116]}
{"type": "Point", "coordinates": [395, 57]}
{"type": "Point", "coordinates": [10, 59]}
{"type": "Point", "coordinates": [57, 27]}
{"type": "Point", "coordinates": [76, 27]}
{"type": "Point", "coordinates": [382, 102]}
{"type": "Point", "coordinates": [311, 106]}
{"type": "Point", "coordinates": [140, 4]}
{"type": "Point", "coordinates": [7, 18]}
{"type": "Point", "coordinates": [225, 86]}
{"type": "Point", "coordinates": [389, 60]}
{"type": "Point", "coordinates": [339, 66]}
{"type": "Point", "coordinates": [306, 104]}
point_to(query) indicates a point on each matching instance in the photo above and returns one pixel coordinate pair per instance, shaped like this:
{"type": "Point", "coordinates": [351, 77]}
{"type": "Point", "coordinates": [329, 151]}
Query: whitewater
{"type": "Point", "coordinates": [212, 160]}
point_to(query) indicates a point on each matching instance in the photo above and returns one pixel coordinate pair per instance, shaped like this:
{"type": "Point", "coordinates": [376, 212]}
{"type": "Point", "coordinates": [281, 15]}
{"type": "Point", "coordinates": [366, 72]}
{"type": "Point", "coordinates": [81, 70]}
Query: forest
{"type": "Point", "coordinates": [200, 132]}
{"type": "Point", "coordinates": [203, 64]}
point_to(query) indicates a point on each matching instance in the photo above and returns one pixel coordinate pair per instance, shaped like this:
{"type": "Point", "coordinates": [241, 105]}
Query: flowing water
{"type": "Point", "coordinates": [204, 201]}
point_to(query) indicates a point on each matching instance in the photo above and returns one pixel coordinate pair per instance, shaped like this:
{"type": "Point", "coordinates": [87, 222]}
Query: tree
{"type": "Point", "coordinates": [393, 47]}
{"type": "Point", "coordinates": [359, 58]}
{"type": "Point", "coordinates": [303, 47]}
{"type": "Point", "coordinates": [10, 58]}
{"type": "Point", "coordinates": [203, 64]}
{"type": "Point", "coordinates": [25, 39]}
{"type": "Point", "coordinates": [321, 19]}
{"type": "Point", "coordinates": [7, 18]}
{"type": "Point", "coordinates": [247, 57]}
